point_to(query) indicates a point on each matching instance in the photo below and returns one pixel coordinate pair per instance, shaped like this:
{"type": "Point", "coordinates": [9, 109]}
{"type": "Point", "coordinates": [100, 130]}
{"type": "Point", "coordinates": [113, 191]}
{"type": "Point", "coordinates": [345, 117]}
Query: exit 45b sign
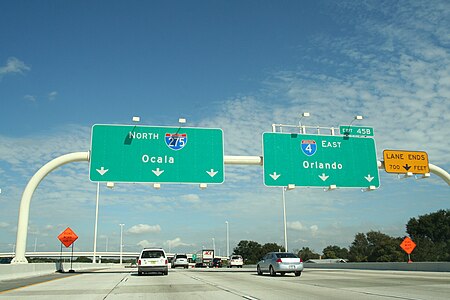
{"type": "Point", "coordinates": [127, 153]}
{"type": "Point", "coordinates": [319, 160]}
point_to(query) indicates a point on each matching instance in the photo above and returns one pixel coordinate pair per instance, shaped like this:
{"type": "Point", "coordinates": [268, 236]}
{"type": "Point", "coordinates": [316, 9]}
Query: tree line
{"type": "Point", "coordinates": [430, 233]}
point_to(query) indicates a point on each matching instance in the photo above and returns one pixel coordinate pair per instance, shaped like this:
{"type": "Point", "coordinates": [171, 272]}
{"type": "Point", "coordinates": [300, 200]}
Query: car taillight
{"type": "Point", "coordinates": [166, 262]}
{"type": "Point", "coordinates": [301, 260]}
{"type": "Point", "coordinates": [279, 260]}
{"type": "Point", "coordinates": [139, 262]}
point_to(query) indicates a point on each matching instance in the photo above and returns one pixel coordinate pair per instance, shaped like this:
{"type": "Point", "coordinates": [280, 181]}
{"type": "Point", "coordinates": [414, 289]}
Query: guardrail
{"type": "Point", "coordinates": [387, 266]}
{"type": "Point", "coordinates": [15, 271]}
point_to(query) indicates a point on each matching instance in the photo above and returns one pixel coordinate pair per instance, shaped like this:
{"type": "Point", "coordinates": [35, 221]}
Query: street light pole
{"type": "Point", "coordinates": [284, 217]}
{"type": "Point", "coordinates": [121, 241]}
{"type": "Point", "coordinates": [228, 240]}
{"type": "Point", "coordinates": [94, 260]}
{"type": "Point", "coordinates": [214, 246]}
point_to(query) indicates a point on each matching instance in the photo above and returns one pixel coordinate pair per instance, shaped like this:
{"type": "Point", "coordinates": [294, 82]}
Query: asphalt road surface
{"type": "Point", "coordinates": [122, 283]}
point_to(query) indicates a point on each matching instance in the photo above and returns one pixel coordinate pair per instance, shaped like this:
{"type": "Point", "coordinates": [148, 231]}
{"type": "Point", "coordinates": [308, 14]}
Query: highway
{"type": "Point", "coordinates": [124, 283]}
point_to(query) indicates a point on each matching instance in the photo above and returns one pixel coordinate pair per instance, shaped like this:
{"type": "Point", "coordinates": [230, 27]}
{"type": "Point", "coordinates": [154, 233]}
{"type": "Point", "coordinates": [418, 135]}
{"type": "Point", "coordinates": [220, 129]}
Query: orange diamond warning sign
{"type": "Point", "coordinates": [408, 245]}
{"type": "Point", "coordinates": [67, 237]}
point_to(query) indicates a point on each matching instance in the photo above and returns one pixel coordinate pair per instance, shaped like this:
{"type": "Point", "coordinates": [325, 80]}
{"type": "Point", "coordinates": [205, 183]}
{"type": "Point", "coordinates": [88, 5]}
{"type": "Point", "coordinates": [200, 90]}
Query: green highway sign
{"type": "Point", "coordinates": [128, 153]}
{"type": "Point", "coordinates": [319, 160]}
{"type": "Point", "coordinates": [355, 130]}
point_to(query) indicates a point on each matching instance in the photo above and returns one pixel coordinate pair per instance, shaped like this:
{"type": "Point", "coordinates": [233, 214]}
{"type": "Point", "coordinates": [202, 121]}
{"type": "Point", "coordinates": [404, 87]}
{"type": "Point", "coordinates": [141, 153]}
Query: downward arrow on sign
{"type": "Point", "coordinates": [212, 173]}
{"type": "Point", "coordinates": [157, 172]}
{"type": "Point", "coordinates": [275, 175]}
{"type": "Point", "coordinates": [369, 178]}
{"type": "Point", "coordinates": [323, 177]}
{"type": "Point", "coordinates": [102, 171]}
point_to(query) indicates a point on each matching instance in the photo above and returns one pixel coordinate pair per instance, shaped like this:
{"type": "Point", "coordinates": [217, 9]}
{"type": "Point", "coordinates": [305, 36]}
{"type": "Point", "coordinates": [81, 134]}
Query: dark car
{"type": "Point", "coordinates": [216, 263]}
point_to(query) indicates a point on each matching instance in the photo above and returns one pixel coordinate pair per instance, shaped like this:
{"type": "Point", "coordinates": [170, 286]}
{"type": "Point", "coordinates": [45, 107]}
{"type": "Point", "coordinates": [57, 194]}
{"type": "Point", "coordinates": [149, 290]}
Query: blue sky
{"type": "Point", "coordinates": [237, 65]}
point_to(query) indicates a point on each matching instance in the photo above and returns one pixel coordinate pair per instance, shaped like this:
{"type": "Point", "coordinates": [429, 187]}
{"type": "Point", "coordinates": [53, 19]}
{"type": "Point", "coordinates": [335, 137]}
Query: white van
{"type": "Point", "coordinates": [153, 260]}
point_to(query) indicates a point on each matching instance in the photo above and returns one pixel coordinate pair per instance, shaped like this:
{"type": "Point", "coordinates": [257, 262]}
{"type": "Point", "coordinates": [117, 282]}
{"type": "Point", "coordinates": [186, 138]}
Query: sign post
{"type": "Point", "coordinates": [67, 238]}
{"type": "Point", "coordinates": [127, 153]}
{"type": "Point", "coordinates": [319, 160]}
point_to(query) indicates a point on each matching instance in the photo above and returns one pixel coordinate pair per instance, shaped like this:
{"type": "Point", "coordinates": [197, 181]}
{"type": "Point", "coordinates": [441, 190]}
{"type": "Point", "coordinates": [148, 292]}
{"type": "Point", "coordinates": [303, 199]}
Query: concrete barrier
{"type": "Point", "coordinates": [15, 271]}
{"type": "Point", "coordinates": [393, 266]}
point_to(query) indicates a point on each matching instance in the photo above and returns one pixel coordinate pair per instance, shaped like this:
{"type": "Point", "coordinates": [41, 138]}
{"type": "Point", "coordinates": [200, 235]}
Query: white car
{"type": "Point", "coordinates": [236, 261]}
{"type": "Point", "coordinates": [153, 260]}
{"type": "Point", "coordinates": [180, 260]}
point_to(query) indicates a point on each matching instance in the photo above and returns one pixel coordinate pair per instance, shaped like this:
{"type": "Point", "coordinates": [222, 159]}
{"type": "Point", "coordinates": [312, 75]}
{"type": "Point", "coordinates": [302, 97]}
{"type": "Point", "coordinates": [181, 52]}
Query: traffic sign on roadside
{"type": "Point", "coordinates": [67, 237]}
{"type": "Point", "coordinates": [319, 160]}
{"type": "Point", "coordinates": [127, 153]}
{"type": "Point", "coordinates": [408, 245]}
{"type": "Point", "coordinates": [402, 162]}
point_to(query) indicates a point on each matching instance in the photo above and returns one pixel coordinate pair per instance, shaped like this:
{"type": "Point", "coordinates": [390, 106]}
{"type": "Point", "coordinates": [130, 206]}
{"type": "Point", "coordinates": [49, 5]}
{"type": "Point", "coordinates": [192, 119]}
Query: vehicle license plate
{"type": "Point", "coordinates": [291, 266]}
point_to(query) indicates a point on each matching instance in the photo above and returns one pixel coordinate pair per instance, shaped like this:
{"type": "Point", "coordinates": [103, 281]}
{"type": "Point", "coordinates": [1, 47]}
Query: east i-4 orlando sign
{"type": "Point", "coordinates": [319, 160]}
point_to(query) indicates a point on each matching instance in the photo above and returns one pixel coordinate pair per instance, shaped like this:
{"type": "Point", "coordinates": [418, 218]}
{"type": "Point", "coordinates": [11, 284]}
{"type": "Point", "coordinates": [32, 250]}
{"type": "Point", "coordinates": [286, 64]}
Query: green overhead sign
{"type": "Point", "coordinates": [355, 130]}
{"type": "Point", "coordinates": [319, 161]}
{"type": "Point", "coordinates": [127, 153]}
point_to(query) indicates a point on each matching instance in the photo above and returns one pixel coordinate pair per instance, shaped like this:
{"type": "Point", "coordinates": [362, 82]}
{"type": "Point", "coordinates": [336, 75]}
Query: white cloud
{"type": "Point", "coordinates": [296, 225]}
{"type": "Point", "coordinates": [52, 95]}
{"type": "Point", "coordinates": [176, 243]}
{"type": "Point", "coordinates": [13, 65]}
{"type": "Point", "coordinates": [144, 228]}
{"type": "Point", "coordinates": [50, 227]}
{"type": "Point", "coordinates": [30, 98]}
{"type": "Point", "coordinates": [145, 244]}
{"type": "Point", "coordinates": [192, 198]}
{"type": "Point", "coordinates": [4, 225]}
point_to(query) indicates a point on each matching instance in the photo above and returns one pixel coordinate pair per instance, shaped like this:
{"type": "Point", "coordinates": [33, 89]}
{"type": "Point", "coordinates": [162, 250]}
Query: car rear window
{"type": "Point", "coordinates": [286, 255]}
{"type": "Point", "coordinates": [181, 256]}
{"type": "Point", "coordinates": [152, 254]}
{"type": "Point", "coordinates": [236, 257]}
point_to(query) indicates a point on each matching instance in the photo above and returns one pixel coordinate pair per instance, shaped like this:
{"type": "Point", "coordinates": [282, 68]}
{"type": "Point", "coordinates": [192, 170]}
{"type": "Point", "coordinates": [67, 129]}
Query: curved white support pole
{"type": "Point", "coordinates": [440, 172]}
{"type": "Point", "coordinates": [24, 210]}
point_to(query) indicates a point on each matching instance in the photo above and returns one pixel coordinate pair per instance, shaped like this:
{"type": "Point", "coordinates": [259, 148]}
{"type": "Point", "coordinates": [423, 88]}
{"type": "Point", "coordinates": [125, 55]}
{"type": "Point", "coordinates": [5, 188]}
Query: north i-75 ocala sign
{"type": "Point", "coordinates": [127, 153]}
{"type": "Point", "coordinates": [319, 160]}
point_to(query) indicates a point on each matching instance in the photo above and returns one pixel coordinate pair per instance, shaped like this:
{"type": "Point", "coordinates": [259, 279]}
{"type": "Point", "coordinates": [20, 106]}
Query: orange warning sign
{"type": "Point", "coordinates": [408, 245]}
{"type": "Point", "coordinates": [67, 237]}
{"type": "Point", "coordinates": [402, 162]}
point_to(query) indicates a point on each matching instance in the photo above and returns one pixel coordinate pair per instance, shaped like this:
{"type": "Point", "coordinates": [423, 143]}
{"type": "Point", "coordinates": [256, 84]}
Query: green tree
{"type": "Point", "coordinates": [375, 247]}
{"type": "Point", "coordinates": [251, 251]}
{"type": "Point", "coordinates": [335, 252]}
{"type": "Point", "coordinates": [305, 253]}
{"type": "Point", "coordinates": [431, 233]}
{"type": "Point", "coordinates": [271, 247]}
{"type": "Point", "coordinates": [383, 248]}
{"type": "Point", "coordinates": [359, 249]}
